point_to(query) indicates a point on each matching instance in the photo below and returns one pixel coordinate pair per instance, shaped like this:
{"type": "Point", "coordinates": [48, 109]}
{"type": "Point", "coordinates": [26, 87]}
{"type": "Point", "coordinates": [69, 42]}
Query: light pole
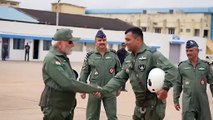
{"type": "Point", "coordinates": [57, 13]}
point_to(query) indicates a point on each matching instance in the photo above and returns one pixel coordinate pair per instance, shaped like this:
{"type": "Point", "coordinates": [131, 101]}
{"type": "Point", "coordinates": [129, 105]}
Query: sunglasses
{"type": "Point", "coordinates": [70, 42]}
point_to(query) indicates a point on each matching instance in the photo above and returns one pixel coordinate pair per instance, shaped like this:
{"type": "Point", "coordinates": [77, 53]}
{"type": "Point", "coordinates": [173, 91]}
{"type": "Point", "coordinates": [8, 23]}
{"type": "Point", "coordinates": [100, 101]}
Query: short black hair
{"type": "Point", "coordinates": [136, 31]}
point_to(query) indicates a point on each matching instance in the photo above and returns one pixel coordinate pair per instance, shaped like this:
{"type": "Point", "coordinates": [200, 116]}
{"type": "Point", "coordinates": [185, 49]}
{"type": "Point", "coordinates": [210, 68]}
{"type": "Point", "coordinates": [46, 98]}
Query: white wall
{"type": "Point", "coordinates": [151, 39]}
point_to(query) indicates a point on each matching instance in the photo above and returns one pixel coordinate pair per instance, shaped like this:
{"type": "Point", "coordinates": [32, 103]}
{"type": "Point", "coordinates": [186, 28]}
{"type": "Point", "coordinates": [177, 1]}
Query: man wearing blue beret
{"type": "Point", "coordinates": [193, 76]}
{"type": "Point", "coordinates": [100, 66]}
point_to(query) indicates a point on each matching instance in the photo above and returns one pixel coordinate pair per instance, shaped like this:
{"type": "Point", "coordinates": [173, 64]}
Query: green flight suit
{"type": "Point", "coordinates": [136, 68]}
{"type": "Point", "coordinates": [101, 69]}
{"type": "Point", "coordinates": [193, 82]}
{"type": "Point", "coordinates": [58, 98]}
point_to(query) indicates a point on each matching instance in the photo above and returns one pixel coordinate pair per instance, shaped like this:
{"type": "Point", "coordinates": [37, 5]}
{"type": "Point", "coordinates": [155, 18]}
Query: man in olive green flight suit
{"type": "Point", "coordinates": [136, 67]}
{"type": "Point", "coordinates": [101, 64]}
{"type": "Point", "coordinates": [193, 76]}
{"type": "Point", "coordinates": [58, 98]}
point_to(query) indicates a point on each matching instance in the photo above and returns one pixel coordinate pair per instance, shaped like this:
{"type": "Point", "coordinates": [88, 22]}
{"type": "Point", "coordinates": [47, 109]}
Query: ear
{"type": "Point", "coordinates": [138, 39]}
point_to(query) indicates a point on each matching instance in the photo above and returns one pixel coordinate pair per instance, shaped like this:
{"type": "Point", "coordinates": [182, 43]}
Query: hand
{"type": "Point", "coordinates": [97, 94]}
{"type": "Point", "coordinates": [162, 94]}
{"type": "Point", "coordinates": [83, 95]}
{"type": "Point", "coordinates": [118, 93]}
{"type": "Point", "coordinates": [177, 106]}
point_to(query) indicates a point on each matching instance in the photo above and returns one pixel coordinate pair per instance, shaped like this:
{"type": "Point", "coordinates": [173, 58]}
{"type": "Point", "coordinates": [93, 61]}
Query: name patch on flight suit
{"type": "Point", "coordinates": [201, 68]}
{"type": "Point", "coordinates": [111, 70]}
{"type": "Point", "coordinates": [108, 57]}
{"type": "Point", "coordinates": [187, 68]}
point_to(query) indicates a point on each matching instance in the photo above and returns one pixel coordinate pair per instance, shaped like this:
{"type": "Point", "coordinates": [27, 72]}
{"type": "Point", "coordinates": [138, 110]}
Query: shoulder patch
{"type": "Point", "coordinates": [152, 50]}
{"type": "Point", "coordinates": [112, 50]}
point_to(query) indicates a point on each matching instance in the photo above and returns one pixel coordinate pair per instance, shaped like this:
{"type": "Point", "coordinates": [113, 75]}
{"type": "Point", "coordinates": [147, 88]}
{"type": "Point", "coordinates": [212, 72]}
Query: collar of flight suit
{"type": "Point", "coordinates": [142, 49]}
{"type": "Point", "coordinates": [198, 62]}
{"type": "Point", "coordinates": [96, 50]}
{"type": "Point", "coordinates": [55, 52]}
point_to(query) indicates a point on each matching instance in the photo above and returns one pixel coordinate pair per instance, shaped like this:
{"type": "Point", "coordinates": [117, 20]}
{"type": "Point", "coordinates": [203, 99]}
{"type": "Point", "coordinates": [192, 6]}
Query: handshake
{"type": "Point", "coordinates": [97, 94]}
{"type": "Point", "coordinates": [100, 93]}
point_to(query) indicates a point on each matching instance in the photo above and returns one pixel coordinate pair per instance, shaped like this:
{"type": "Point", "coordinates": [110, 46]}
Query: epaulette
{"type": "Point", "coordinates": [180, 63]}
{"type": "Point", "coordinates": [205, 61]}
{"type": "Point", "coordinates": [88, 54]}
{"type": "Point", "coordinates": [112, 50]}
{"type": "Point", "coordinates": [152, 50]}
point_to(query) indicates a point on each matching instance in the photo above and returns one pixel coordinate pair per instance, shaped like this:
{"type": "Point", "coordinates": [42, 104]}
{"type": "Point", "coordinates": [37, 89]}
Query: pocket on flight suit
{"type": "Point", "coordinates": [160, 109]}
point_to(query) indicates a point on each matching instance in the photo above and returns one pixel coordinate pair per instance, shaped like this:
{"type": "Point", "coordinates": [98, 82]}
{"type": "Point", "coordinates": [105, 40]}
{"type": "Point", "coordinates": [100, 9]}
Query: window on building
{"type": "Point", "coordinates": [143, 29]}
{"type": "Point", "coordinates": [18, 43]}
{"type": "Point", "coordinates": [157, 30]}
{"type": "Point", "coordinates": [205, 33]}
{"type": "Point", "coordinates": [197, 32]}
{"type": "Point", "coordinates": [3, 2]}
{"type": "Point", "coordinates": [46, 44]}
{"type": "Point", "coordinates": [188, 30]}
{"type": "Point", "coordinates": [78, 46]}
{"type": "Point", "coordinates": [13, 4]}
{"type": "Point", "coordinates": [171, 30]}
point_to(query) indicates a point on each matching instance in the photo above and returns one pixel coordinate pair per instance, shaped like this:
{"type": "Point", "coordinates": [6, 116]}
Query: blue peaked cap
{"type": "Point", "coordinates": [100, 34]}
{"type": "Point", "coordinates": [191, 44]}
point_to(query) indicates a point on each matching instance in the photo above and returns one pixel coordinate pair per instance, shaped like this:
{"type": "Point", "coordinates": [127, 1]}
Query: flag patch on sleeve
{"type": "Point", "coordinates": [57, 62]}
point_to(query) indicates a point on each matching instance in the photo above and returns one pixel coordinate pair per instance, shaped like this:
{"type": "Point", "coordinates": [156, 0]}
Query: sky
{"type": "Point", "coordinates": [117, 4]}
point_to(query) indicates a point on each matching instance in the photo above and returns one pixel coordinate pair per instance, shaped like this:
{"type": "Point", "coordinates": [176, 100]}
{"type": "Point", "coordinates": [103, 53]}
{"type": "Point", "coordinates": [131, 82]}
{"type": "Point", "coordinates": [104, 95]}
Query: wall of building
{"type": "Point", "coordinates": [44, 32]}
{"type": "Point", "coordinates": [184, 24]}
{"type": "Point", "coordinates": [9, 3]}
{"type": "Point", "coordinates": [68, 8]}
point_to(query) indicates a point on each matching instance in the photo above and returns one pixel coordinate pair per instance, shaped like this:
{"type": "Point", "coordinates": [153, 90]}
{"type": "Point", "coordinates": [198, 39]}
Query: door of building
{"type": "Point", "coordinates": [5, 47]}
{"type": "Point", "coordinates": [174, 53]}
{"type": "Point", "coordinates": [35, 49]}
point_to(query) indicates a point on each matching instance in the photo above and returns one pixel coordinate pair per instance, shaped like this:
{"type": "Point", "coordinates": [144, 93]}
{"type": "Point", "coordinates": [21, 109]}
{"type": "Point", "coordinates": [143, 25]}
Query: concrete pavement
{"type": "Point", "coordinates": [21, 85]}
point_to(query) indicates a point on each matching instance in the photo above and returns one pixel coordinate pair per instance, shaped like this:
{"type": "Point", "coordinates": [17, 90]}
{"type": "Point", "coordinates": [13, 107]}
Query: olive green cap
{"type": "Point", "coordinates": [64, 34]}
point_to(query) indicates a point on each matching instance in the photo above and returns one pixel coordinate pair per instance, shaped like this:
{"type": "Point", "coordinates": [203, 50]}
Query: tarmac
{"type": "Point", "coordinates": [21, 85]}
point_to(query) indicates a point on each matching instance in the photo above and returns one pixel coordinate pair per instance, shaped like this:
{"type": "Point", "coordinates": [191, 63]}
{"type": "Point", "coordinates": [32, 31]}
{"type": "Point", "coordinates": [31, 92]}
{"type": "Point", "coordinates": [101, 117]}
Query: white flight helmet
{"type": "Point", "coordinates": [155, 80]}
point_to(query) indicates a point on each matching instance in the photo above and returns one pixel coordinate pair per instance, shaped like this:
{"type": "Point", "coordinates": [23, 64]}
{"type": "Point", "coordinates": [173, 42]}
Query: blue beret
{"type": "Point", "coordinates": [191, 44]}
{"type": "Point", "coordinates": [100, 34]}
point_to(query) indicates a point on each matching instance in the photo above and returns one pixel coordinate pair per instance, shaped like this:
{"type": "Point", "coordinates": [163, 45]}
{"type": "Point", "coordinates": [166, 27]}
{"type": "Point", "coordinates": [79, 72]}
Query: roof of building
{"type": "Point", "coordinates": [208, 10]}
{"type": "Point", "coordinates": [9, 13]}
{"type": "Point", "coordinates": [83, 21]}
{"type": "Point", "coordinates": [12, 1]}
